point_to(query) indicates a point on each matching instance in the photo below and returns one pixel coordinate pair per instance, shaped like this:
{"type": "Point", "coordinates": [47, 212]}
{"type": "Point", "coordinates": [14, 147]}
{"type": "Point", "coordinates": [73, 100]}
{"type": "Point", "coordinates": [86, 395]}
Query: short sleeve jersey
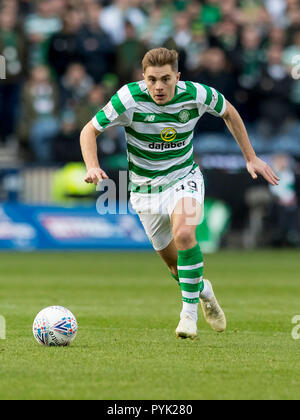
{"type": "Point", "coordinates": [159, 137]}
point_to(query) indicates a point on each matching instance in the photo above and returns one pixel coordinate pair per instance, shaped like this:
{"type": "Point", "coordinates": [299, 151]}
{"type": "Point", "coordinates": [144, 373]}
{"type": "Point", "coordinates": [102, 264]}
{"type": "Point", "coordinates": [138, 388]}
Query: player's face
{"type": "Point", "coordinates": [161, 82]}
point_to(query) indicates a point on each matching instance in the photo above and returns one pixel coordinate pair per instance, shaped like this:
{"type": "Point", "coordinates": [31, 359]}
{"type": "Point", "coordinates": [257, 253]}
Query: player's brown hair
{"type": "Point", "coordinates": [159, 57]}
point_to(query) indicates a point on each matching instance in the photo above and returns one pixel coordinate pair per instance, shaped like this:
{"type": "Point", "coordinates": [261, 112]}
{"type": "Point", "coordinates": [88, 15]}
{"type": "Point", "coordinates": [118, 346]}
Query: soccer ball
{"type": "Point", "coordinates": [55, 326]}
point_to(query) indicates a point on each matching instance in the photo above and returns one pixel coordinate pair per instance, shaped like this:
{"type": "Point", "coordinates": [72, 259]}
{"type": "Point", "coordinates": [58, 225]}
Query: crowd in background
{"type": "Point", "coordinates": [65, 58]}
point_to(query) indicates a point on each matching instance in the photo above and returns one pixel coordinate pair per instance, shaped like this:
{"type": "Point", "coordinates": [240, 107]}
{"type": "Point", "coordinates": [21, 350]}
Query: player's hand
{"type": "Point", "coordinates": [95, 175]}
{"type": "Point", "coordinates": [258, 167]}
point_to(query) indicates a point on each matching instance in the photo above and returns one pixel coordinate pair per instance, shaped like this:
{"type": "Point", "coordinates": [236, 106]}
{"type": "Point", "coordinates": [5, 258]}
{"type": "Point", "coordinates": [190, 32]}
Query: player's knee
{"type": "Point", "coordinates": [184, 237]}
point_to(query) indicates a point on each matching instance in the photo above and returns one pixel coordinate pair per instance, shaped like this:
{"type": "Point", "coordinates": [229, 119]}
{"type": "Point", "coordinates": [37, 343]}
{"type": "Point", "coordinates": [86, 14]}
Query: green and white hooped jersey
{"type": "Point", "coordinates": [159, 137]}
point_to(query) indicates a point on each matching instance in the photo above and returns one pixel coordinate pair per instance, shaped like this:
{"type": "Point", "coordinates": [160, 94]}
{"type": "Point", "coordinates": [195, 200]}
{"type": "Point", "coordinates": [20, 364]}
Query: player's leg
{"type": "Point", "coordinates": [159, 231]}
{"type": "Point", "coordinates": [185, 219]}
{"type": "Point", "coordinates": [169, 256]}
{"type": "Point", "coordinates": [153, 213]}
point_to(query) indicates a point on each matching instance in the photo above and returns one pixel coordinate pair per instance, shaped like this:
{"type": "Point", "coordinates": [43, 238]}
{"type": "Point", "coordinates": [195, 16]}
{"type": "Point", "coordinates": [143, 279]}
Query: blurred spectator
{"type": "Point", "coordinates": [171, 45]}
{"type": "Point", "coordinates": [231, 12]}
{"type": "Point", "coordinates": [182, 32]}
{"type": "Point", "coordinates": [86, 110]}
{"type": "Point", "coordinates": [214, 72]}
{"type": "Point", "coordinates": [10, 6]}
{"type": "Point", "coordinates": [211, 12]}
{"type": "Point", "coordinates": [248, 60]}
{"type": "Point", "coordinates": [250, 57]}
{"type": "Point", "coordinates": [76, 85]}
{"type": "Point", "coordinates": [39, 26]}
{"type": "Point", "coordinates": [291, 58]}
{"type": "Point", "coordinates": [274, 93]}
{"type": "Point", "coordinates": [113, 17]}
{"type": "Point", "coordinates": [293, 14]}
{"type": "Point", "coordinates": [13, 48]}
{"type": "Point", "coordinates": [259, 200]}
{"type": "Point", "coordinates": [25, 6]}
{"type": "Point", "coordinates": [136, 15]}
{"type": "Point", "coordinates": [129, 55]}
{"type": "Point", "coordinates": [232, 45]}
{"type": "Point", "coordinates": [277, 11]}
{"type": "Point", "coordinates": [66, 147]}
{"type": "Point", "coordinates": [197, 47]}
{"type": "Point", "coordinates": [112, 148]}
{"type": "Point", "coordinates": [181, 5]}
{"type": "Point", "coordinates": [137, 74]}
{"type": "Point", "coordinates": [292, 50]}
{"type": "Point", "coordinates": [225, 35]}
{"type": "Point", "coordinates": [194, 10]}
{"type": "Point", "coordinates": [277, 36]}
{"type": "Point", "coordinates": [39, 116]}
{"type": "Point", "coordinates": [159, 27]}
{"type": "Point", "coordinates": [95, 46]}
{"type": "Point", "coordinates": [285, 211]}
{"type": "Point", "coordinates": [255, 13]}
{"type": "Point", "coordinates": [64, 45]}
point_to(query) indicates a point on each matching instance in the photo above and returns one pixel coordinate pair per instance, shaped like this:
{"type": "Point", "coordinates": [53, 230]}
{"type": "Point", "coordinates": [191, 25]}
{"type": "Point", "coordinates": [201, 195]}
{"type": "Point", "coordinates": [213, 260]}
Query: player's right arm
{"type": "Point", "coordinates": [88, 143]}
{"type": "Point", "coordinates": [117, 112]}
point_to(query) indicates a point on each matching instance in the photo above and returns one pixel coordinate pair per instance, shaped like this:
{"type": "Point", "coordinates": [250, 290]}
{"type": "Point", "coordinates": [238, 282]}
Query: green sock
{"type": "Point", "coordinates": [190, 273]}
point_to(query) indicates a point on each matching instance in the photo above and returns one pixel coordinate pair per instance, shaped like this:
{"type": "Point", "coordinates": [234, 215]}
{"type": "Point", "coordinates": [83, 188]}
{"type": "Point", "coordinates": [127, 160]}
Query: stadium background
{"type": "Point", "coordinates": [64, 59]}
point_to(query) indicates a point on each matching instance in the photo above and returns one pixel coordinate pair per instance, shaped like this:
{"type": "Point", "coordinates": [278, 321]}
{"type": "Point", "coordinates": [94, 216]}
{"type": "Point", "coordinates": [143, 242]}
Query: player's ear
{"type": "Point", "coordinates": [178, 76]}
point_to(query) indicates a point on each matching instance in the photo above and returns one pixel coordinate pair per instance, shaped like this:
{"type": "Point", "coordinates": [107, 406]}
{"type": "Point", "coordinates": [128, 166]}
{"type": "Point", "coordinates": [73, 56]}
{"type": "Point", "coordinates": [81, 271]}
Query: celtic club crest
{"type": "Point", "coordinates": [184, 116]}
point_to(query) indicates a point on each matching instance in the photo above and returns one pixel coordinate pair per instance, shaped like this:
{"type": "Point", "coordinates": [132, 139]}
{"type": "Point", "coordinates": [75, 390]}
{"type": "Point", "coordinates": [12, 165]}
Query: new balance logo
{"type": "Point", "coordinates": [149, 118]}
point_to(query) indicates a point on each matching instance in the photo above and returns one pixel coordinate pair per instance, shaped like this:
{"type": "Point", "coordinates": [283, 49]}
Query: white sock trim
{"type": "Point", "coordinates": [190, 309]}
{"type": "Point", "coordinates": [207, 292]}
{"type": "Point", "coordinates": [190, 267]}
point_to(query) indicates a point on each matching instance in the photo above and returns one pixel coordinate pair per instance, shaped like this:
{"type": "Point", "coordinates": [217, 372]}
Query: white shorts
{"type": "Point", "coordinates": [155, 209]}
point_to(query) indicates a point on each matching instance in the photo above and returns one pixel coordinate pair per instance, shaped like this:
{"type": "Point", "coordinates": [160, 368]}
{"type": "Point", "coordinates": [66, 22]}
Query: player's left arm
{"type": "Point", "coordinates": [255, 165]}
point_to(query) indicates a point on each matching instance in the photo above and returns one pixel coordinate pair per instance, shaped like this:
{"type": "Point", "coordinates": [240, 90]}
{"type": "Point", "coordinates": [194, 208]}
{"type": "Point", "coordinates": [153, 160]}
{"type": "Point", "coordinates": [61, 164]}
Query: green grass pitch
{"type": "Point", "coordinates": [128, 307]}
